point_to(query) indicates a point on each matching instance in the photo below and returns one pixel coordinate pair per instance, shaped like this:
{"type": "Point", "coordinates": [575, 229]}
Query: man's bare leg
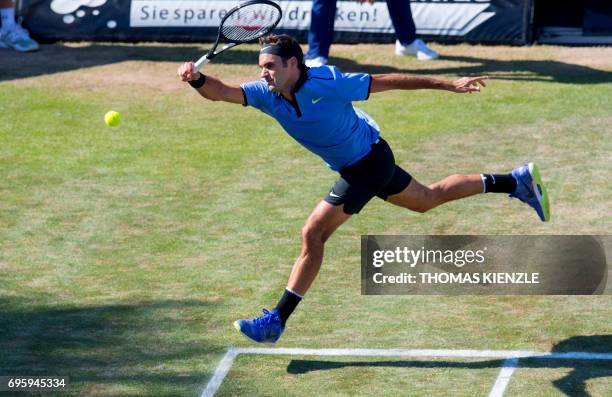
{"type": "Point", "coordinates": [420, 198]}
{"type": "Point", "coordinates": [524, 183]}
{"type": "Point", "coordinates": [321, 223]}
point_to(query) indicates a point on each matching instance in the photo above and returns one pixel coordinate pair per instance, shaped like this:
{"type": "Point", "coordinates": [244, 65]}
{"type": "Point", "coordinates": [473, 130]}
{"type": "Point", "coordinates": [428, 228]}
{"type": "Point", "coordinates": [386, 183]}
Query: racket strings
{"type": "Point", "coordinates": [238, 33]}
{"type": "Point", "coordinates": [250, 23]}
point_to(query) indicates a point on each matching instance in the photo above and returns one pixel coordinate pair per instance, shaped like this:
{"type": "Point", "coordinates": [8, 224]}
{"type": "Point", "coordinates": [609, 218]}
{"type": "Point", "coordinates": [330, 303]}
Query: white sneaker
{"type": "Point", "coordinates": [18, 39]}
{"type": "Point", "coordinates": [316, 62]}
{"type": "Point", "coordinates": [418, 48]}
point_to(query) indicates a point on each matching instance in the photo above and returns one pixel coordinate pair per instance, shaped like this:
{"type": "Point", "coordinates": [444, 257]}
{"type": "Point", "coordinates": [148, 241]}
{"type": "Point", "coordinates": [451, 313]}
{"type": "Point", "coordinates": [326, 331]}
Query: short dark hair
{"type": "Point", "coordinates": [290, 47]}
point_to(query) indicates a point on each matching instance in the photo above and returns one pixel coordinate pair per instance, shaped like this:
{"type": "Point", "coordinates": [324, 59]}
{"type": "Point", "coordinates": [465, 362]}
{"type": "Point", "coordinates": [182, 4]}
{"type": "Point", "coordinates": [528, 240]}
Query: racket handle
{"type": "Point", "coordinates": [201, 62]}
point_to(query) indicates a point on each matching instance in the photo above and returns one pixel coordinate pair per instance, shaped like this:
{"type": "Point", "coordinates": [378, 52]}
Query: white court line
{"type": "Point", "coordinates": [220, 373]}
{"type": "Point", "coordinates": [511, 357]}
{"type": "Point", "coordinates": [508, 368]}
{"type": "Point", "coordinates": [391, 352]}
{"type": "Point", "coordinates": [426, 353]}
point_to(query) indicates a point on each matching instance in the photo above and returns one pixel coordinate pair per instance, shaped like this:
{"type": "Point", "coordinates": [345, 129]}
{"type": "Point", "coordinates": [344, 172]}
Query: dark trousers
{"type": "Point", "coordinates": [323, 16]}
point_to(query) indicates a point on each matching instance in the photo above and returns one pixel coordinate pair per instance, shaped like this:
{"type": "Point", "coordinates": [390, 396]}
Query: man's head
{"type": "Point", "coordinates": [281, 60]}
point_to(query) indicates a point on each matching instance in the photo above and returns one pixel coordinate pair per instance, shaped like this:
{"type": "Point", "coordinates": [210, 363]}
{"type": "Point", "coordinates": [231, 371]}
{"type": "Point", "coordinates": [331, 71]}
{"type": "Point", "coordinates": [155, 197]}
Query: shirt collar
{"type": "Point", "coordinates": [301, 80]}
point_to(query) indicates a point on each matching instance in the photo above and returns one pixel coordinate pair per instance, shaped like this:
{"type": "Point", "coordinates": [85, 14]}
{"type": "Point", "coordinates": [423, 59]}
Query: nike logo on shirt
{"type": "Point", "coordinates": [314, 101]}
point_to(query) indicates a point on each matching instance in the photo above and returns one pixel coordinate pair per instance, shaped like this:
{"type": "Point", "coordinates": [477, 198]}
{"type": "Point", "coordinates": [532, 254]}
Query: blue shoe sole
{"type": "Point", "coordinates": [540, 191]}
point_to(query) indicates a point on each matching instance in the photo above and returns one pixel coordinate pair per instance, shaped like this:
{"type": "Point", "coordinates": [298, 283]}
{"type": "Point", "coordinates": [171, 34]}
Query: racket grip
{"type": "Point", "coordinates": [201, 62]}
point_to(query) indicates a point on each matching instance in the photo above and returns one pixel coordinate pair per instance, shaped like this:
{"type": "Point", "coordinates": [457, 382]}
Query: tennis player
{"type": "Point", "coordinates": [314, 106]}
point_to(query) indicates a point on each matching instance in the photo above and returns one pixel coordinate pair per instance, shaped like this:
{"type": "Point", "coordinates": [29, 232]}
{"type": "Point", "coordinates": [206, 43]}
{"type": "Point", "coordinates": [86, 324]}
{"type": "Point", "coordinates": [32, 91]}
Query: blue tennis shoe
{"type": "Point", "coordinates": [265, 329]}
{"type": "Point", "coordinates": [531, 190]}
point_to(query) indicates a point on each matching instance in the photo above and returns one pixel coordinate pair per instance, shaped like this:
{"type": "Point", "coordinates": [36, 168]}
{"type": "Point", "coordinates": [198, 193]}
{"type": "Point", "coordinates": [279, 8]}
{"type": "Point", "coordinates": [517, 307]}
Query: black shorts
{"type": "Point", "coordinates": [376, 174]}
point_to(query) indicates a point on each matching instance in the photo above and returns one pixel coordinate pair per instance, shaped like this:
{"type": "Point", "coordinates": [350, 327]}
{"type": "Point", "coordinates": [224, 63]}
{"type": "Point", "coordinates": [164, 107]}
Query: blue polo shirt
{"type": "Point", "coordinates": [322, 118]}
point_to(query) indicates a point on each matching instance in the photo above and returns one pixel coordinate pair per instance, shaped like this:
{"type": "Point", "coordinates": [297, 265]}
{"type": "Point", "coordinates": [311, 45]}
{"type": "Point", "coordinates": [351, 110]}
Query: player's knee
{"type": "Point", "coordinates": [436, 195]}
{"type": "Point", "coordinates": [312, 234]}
{"type": "Point", "coordinates": [427, 200]}
{"type": "Point", "coordinates": [422, 208]}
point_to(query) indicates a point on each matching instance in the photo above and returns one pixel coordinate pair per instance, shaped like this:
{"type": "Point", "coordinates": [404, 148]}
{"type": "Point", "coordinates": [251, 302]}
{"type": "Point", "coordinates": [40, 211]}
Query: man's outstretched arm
{"type": "Point", "coordinates": [386, 82]}
{"type": "Point", "coordinates": [213, 89]}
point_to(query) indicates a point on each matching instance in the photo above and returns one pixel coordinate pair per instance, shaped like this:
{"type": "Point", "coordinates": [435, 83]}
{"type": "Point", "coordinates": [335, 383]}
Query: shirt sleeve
{"type": "Point", "coordinates": [353, 86]}
{"type": "Point", "coordinates": [255, 93]}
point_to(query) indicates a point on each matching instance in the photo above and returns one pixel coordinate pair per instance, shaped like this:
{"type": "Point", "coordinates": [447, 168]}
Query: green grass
{"type": "Point", "coordinates": [126, 253]}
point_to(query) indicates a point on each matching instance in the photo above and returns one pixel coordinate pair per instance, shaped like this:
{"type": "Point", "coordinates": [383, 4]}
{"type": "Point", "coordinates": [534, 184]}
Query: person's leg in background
{"type": "Point", "coordinates": [7, 12]}
{"type": "Point", "coordinates": [405, 32]}
{"type": "Point", "coordinates": [12, 35]}
{"type": "Point", "coordinates": [321, 32]}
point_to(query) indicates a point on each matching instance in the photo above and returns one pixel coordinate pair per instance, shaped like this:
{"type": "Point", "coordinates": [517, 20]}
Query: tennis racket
{"type": "Point", "coordinates": [242, 24]}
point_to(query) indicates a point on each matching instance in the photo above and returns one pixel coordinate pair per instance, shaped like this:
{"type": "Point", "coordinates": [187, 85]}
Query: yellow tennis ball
{"type": "Point", "coordinates": [112, 118]}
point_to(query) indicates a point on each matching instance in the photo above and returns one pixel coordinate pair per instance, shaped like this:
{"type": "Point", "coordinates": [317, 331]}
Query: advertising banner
{"type": "Point", "coordinates": [487, 21]}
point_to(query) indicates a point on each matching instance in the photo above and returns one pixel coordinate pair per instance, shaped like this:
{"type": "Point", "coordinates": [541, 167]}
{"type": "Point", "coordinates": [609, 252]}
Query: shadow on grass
{"type": "Point", "coordinates": [122, 349]}
{"type": "Point", "coordinates": [518, 70]}
{"type": "Point", "coordinates": [59, 58]}
{"type": "Point", "coordinates": [573, 384]}
{"type": "Point", "coordinates": [56, 58]}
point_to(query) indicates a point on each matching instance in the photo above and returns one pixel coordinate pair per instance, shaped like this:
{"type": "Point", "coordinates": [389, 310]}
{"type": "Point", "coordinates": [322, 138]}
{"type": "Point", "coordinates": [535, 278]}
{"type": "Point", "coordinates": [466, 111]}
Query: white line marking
{"type": "Point", "coordinates": [508, 368]}
{"type": "Point", "coordinates": [390, 352]}
{"type": "Point", "coordinates": [220, 373]}
{"type": "Point", "coordinates": [426, 353]}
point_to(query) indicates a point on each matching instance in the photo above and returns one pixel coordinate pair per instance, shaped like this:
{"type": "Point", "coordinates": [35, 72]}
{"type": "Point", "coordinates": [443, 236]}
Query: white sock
{"type": "Point", "coordinates": [295, 293]}
{"type": "Point", "coordinates": [8, 18]}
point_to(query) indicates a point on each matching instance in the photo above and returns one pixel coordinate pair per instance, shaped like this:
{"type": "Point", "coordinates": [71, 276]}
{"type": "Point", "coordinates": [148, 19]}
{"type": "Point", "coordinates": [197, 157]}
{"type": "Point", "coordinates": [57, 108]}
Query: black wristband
{"type": "Point", "coordinates": [199, 82]}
